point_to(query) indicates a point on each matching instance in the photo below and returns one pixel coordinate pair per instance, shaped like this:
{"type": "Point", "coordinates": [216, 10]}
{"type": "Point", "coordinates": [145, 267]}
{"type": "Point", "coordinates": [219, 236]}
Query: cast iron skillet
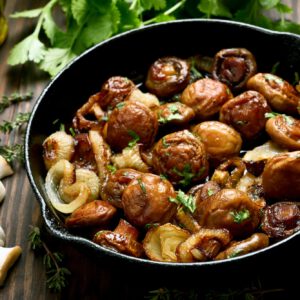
{"type": "Point", "coordinates": [130, 54]}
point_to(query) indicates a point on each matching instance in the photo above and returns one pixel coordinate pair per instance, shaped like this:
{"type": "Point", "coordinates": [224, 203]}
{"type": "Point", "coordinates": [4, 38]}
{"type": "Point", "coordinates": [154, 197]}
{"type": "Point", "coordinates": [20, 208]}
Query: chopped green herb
{"type": "Point", "coordinates": [62, 127]}
{"type": "Point", "coordinates": [210, 192]}
{"type": "Point", "coordinates": [151, 225]}
{"type": "Point", "coordinates": [271, 115]}
{"type": "Point", "coordinates": [228, 92]}
{"type": "Point", "coordinates": [135, 139]}
{"type": "Point", "coordinates": [275, 67]}
{"type": "Point", "coordinates": [72, 131]}
{"type": "Point", "coordinates": [164, 143]}
{"type": "Point", "coordinates": [235, 254]}
{"type": "Point", "coordinates": [170, 117]}
{"type": "Point", "coordinates": [288, 120]}
{"type": "Point", "coordinates": [240, 216]}
{"type": "Point", "coordinates": [120, 105]}
{"type": "Point", "coordinates": [271, 77]}
{"type": "Point", "coordinates": [188, 201]}
{"type": "Point", "coordinates": [112, 169]}
{"type": "Point", "coordinates": [142, 185]}
{"type": "Point", "coordinates": [163, 177]}
{"type": "Point", "coordinates": [297, 78]}
{"type": "Point", "coordinates": [55, 121]}
{"type": "Point", "coordinates": [187, 174]}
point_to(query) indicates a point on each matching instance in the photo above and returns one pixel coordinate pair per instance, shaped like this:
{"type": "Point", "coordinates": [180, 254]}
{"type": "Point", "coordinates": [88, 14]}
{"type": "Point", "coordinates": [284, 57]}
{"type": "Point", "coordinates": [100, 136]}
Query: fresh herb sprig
{"type": "Point", "coordinates": [57, 275]}
{"type": "Point", "coordinates": [187, 201]}
{"type": "Point", "coordinates": [84, 18]}
{"type": "Point", "coordinates": [21, 118]}
{"type": "Point", "coordinates": [14, 98]}
{"type": "Point", "coordinates": [13, 153]}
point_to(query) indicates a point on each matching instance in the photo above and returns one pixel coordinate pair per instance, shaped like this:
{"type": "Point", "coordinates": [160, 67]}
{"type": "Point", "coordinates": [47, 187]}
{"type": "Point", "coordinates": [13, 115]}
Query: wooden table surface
{"type": "Point", "coordinates": [90, 279]}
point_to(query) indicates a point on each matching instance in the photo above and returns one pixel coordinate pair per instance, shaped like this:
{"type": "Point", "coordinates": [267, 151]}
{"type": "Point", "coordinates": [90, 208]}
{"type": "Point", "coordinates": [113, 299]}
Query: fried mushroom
{"type": "Point", "coordinates": [181, 157]}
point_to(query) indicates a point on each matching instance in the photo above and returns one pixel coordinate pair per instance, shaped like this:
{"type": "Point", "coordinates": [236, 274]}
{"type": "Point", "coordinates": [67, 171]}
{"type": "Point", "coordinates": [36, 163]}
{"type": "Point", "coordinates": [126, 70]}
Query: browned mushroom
{"type": "Point", "coordinates": [181, 157]}
{"type": "Point", "coordinates": [146, 200]}
{"type": "Point", "coordinates": [246, 113]}
{"type": "Point", "coordinates": [230, 209]}
{"type": "Point", "coordinates": [234, 67]}
{"type": "Point", "coordinates": [281, 177]}
{"type": "Point", "coordinates": [206, 97]}
{"type": "Point", "coordinates": [123, 239]}
{"type": "Point", "coordinates": [280, 94]}
{"type": "Point", "coordinates": [116, 183]}
{"type": "Point", "coordinates": [93, 213]}
{"type": "Point", "coordinates": [220, 140]}
{"type": "Point", "coordinates": [168, 76]}
{"type": "Point", "coordinates": [174, 113]}
{"type": "Point", "coordinates": [255, 242]}
{"type": "Point", "coordinates": [285, 131]}
{"type": "Point", "coordinates": [131, 122]}
{"type": "Point", "coordinates": [203, 245]}
{"type": "Point", "coordinates": [281, 219]}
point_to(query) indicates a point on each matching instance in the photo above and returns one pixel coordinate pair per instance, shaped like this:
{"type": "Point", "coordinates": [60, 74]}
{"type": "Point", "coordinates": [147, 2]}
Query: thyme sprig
{"type": "Point", "coordinates": [21, 118]}
{"type": "Point", "coordinates": [6, 101]}
{"type": "Point", "coordinates": [56, 274]}
{"type": "Point", "coordinates": [13, 153]}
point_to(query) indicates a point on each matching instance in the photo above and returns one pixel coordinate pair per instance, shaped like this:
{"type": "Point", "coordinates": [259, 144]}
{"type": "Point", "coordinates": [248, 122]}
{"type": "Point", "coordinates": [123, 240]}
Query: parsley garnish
{"type": "Point", "coordinates": [174, 115]}
{"type": "Point", "coordinates": [271, 115]}
{"type": "Point", "coordinates": [210, 192]}
{"type": "Point", "coordinates": [287, 119]}
{"type": "Point", "coordinates": [72, 131]}
{"type": "Point", "coordinates": [164, 143]}
{"type": "Point", "coordinates": [187, 174]}
{"type": "Point", "coordinates": [271, 77]}
{"type": "Point", "coordinates": [142, 185]}
{"type": "Point", "coordinates": [188, 201]}
{"type": "Point", "coordinates": [12, 153]}
{"type": "Point", "coordinates": [112, 169]}
{"type": "Point", "coordinates": [135, 139]}
{"type": "Point", "coordinates": [240, 216]}
{"type": "Point", "coordinates": [235, 254]}
{"type": "Point", "coordinates": [120, 105]}
{"type": "Point", "coordinates": [275, 67]}
{"type": "Point", "coordinates": [163, 177]}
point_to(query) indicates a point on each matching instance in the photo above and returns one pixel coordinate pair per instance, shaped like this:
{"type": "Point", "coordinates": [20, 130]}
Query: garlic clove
{"type": "Point", "coordinates": [5, 168]}
{"type": "Point", "coordinates": [8, 256]}
{"type": "Point", "coordinates": [2, 191]}
{"type": "Point", "coordinates": [2, 237]}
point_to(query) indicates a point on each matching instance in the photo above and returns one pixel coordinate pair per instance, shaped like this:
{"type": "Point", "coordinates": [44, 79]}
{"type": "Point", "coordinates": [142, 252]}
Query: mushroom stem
{"type": "Point", "coordinates": [5, 168]}
{"type": "Point", "coordinates": [2, 191]}
{"type": "Point", "coordinates": [8, 256]}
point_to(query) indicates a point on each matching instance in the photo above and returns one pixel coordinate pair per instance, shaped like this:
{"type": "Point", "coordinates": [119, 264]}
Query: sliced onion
{"type": "Point", "coordinates": [54, 176]}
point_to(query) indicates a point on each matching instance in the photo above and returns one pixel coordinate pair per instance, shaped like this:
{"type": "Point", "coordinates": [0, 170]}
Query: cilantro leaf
{"type": "Point", "coordinates": [240, 216]}
{"type": "Point", "coordinates": [30, 49]}
{"type": "Point", "coordinates": [79, 10]}
{"type": "Point", "coordinates": [268, 4]}
{"type": "Point", "coordinates": [55, 59]}
{"type": "Point", "coordinates": [156, 4]}
{"type": "Point", "coordinates": [214, 8]}
{"type": "Point", "coordinates": [129, 18]}
{"type": "Point", "coordinates": [33, 13]}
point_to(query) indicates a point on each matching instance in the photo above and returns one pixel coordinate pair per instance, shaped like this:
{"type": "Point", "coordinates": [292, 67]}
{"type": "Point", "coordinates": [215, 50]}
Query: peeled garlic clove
{"type": "Point", "coordinates": [59, 145]}
{"type": "Point", "coordinates": [5, 168]}
{"type": "Point", "coordinates": [2, 237]}
{"type": "Point", "coordinates": [2, 191]}
{"type": "Point", "coordinates": [8, 256]}
{"type": "Point", "coordinates": [53, 179]}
